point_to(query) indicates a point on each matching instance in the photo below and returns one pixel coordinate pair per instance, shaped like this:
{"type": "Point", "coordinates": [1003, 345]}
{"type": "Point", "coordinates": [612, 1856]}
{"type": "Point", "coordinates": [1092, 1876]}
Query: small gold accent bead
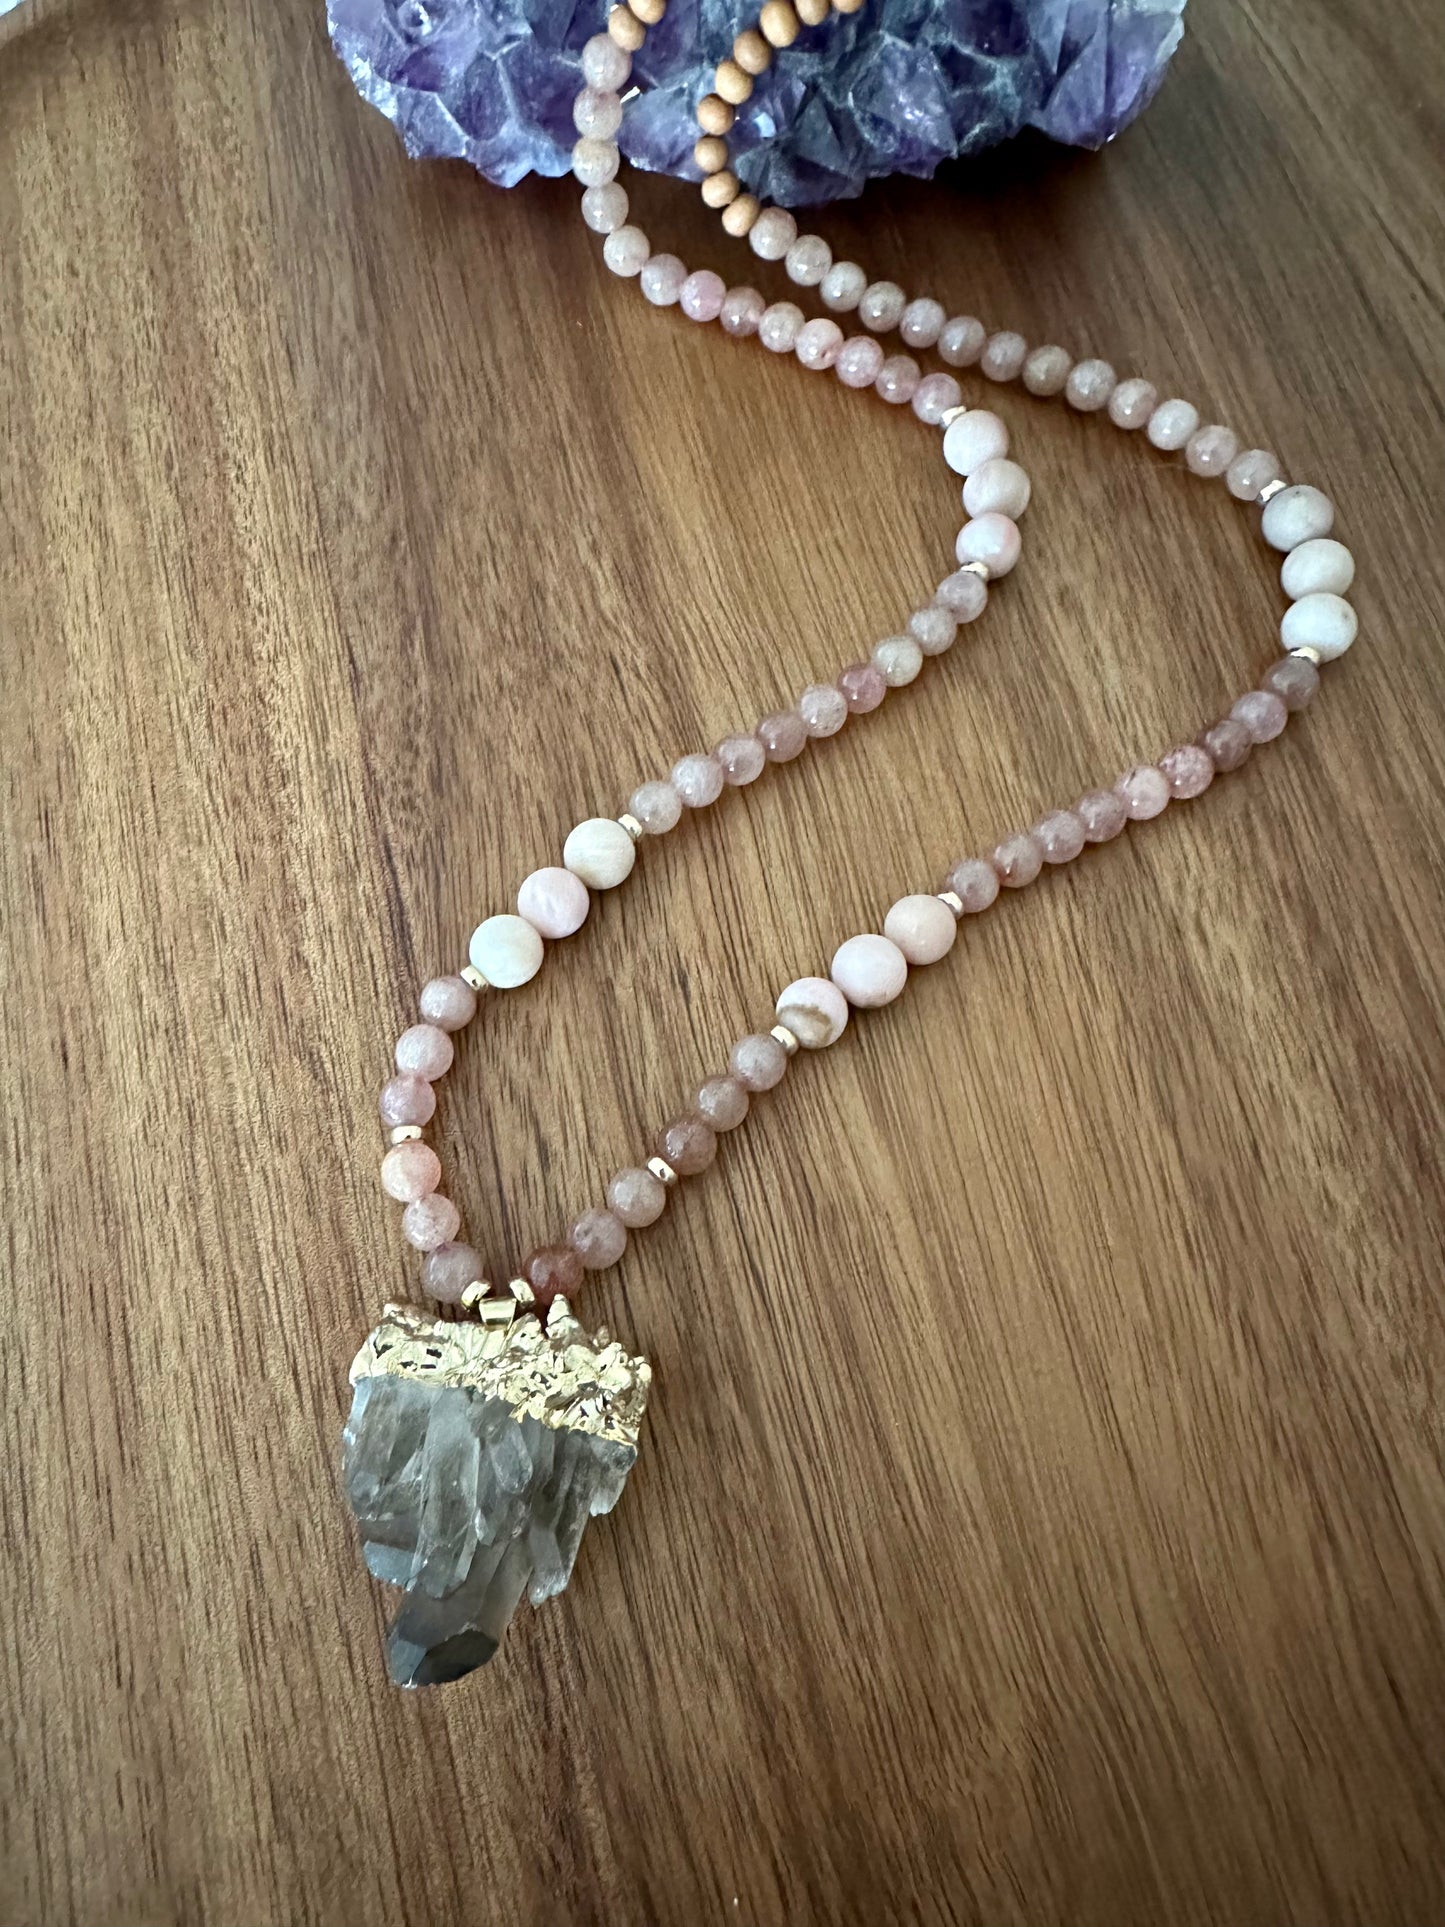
{"type": "Point", "coordinates": [475, 1292]}
{"type": "Point", "coordinates": [953, 900]}
{"type": "Point", "coordinates": [739, 215]}
{"type": "Point", "coordinates": [1270, 490]}
{"type": "Point", "coordinates": [732, 83]}
{"type": "Point", "coordinates": [630, 823]}
{"type": "Point", "coordinates": [469, 974]}
{"type": "Point", "coordinates": [719, 189]}
{"type": "Point", "coordinates": [786, 1038]}
{"type": "Point", "coordinates": [521, 1291]}
{"type": "Point", "coordinates": [980, 569]}
{"type": "Point", "coordinates": [662, 1170]}
{"type": "Point", "coordinates": [752, 52]}
{"type": "Point", "coordinates": [624, 29]}
{"type": "Point", "coordinates": [715, 115]}
{"type": "Point", "coordinates": [711, 154]}
{"type": "Point", "coordinates": [951, 415]}
{"type": "Point", "coordinates": [404, 1134]}
{"type": "Point", "coordinates": [1309, 653]}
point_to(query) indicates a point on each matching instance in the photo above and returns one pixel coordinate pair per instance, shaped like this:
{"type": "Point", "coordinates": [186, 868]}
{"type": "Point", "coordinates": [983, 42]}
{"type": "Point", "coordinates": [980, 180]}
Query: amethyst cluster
{"type": "Point", "coordinates": [893, 89]}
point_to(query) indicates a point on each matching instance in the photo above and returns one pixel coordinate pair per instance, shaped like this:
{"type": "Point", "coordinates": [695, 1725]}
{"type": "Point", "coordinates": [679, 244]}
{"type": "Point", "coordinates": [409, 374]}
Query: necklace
{"type": "Point", "coordinates": [478, 1447]}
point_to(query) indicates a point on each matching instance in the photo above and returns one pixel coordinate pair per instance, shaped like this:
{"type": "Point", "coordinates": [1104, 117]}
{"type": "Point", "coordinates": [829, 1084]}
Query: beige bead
{"type": "Point", "coordinates": [648, 11]}
{"type": "Point", "coordinates": [711, 154]}
{"type": "Point", "coordinates": [846, 6]}
{"type": "Point", "coordinates": [625, 29]}
{"type": "Point", "coordinates": [898, 659]}
{"type": "Point", "coordinates": [600, 852]}
{"type": "Point", "coordinates": [815, 1011]}
{"type": "Point", "coordinates": [739, 215]}
{"type": "Point", "coordinates": [779, 22]}
{"type": "Point", "coordinates": [813, 13]}
{"type": "Point", "coordinates": [507, 950]}
{"type": "Point", "coordinates": [752, 52]}
{"type": "Point", "coordinates": [714, 115]}
{"type": "Point", "coordinates": [924, 928]}
{"type": "Point", "coordinates": [718, 190]}
{"type": "Point", "coordinates": [732, 83]}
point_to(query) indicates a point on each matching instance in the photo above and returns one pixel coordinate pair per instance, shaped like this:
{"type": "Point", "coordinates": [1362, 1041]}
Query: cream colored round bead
{"type": "Point", "coordinates": [648, 11]}
{"type": "Point", "coordinates": [732, 83]}
{"type": "Point", "coordinates": [815, 1011]}
{"type": "Point", "coordinates": [813, 13]}
{"type": "Point", "coordinates": [998, 487]}
{"type": "Point", "coordinates": [1296, 515]}
{"type": "Point", "coordinates": [869, 970]}
{"type": "Point", "coordinates": [752, 52]}
{"type": "Point", "coordinates": [715, 115]}
{"type": "Point", "coordinates": [973, 438]}
{"type": "Point", "coordinates": [624, 27]}
{"type": "Point", "coordinates": [739, 215]}
{"type": "Point", "coordinates": [600, 852]}
{"type": "Point", "coordinates": [1325, 623]}
{"type": "Point", "coordinates": [711, 154]}
{"type": "Point", "coordinates": [1318, 567]}
{"type": "Point", "coordinates": [721, 189]}
{"type": "Point", "coordinates": [773, 233]}
{"type": "Point", "coordinates": [1047, 369]}
{"type": "Point", "coordinates": [779, 22]}
{"type": "Point", "coordinates": [898, 659]}
{"type": "Point", "coordinates": [1171, 424]}
{"type": "Point", "coordinates": [507, 951]}
{"type": "Point", "coordinates": [924, 928]}
{"type": "Point", "coordinates": [1089, 386]}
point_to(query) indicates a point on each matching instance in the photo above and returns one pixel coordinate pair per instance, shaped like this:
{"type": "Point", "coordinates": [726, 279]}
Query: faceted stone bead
{"type": "Point", "coordinates": [688, 1144]}
{"type": "Point", "coordinates": [723, 1103]}
{"type": "Point", "coordinates": [1188, 770]}
{"type": "Point", "coordinates": [933, 628]}
{"type": "Point", "coordinates": [448, 1002]}
{"type": "Point", "coordinates": [1228, 744]}
{"type": "Point", "coordinates": [1102, 814]}
{"type": "Point", "coordinates": [407, 1099]}
{"type": "Point", "coordinates": [430, 1221]}
{"type": "Point", "coordinates": [599, 1238]}
{"type": "Point", "coordinates": [698, 780]}
{"type": "Point", "coordinates": [857, 362]}
{"type": "Point", "coordinates": [425, 1050]}
{"type": "Point", "coordinates": [783, 736]}
{"type": "Point", "coordinates": [863, 688]}
{"type": "Point", "coordinates": [637, 1197]}
{"type": "Point", "coordinates": [974, 881]}
{"type": "Point", "coordinates": [1144, 791]}
{"type": "Point", "coordinates": [934, 396]}
{"type": "Point", "coordinates": [815, 1011]}
{"type": "Point", "coordinates": [702, 295]}
{"type": "Point", "coordinates": [823, 708]}
{"type": "Point", "coordinates": [553, 1271]}
{"type": "Point", "coordinates": [960, 342]}
{"type": "Point", "coordinates": [1089, 386]}
{"type": "Point", "coordinates": [1060, 836]}
{"type": "Point", "coordinates": [447, 1271]}
{"type": "Point", "coordinates": [741, 759]}
{"type": "Point", "coordinates": [1294, 679]}
{"type": "Point", "coordinates": [1262, 714]}
{"type": "Point", "coordinates": [758, 1062]}
{"type": "Point", "coordinates": [1132, 403]}
{"type": "Point", "coordinates": [1210, 451]}
{"type": "Point", "coordinates": [1046, 370]}
{"type": "Point", "coordinates": [410, 1171]}
{"type": "Point", "coordinates": [963, 594]}
{"type": "Point", "coordinates": [1018, 860]}
{"type": "Point", "coordinates": [657, 807]}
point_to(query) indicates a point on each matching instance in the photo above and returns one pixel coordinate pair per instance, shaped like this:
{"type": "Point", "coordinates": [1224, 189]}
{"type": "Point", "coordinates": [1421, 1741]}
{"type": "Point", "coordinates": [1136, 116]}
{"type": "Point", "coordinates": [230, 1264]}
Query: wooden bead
{"type": "Point", "coordinates": [711, 154]}
{"type": "Point", "coordinates": [718, 190]}
{"type": "Point", "coordinates": [739, 215]}
{"type": "Point", "coordinates": [846, 6]}
{"type": "Point", "coordinates": [813, 13]}
{"type": "Point", "coordinates": [779, 22]}
{"type": "Point", "coordinates": [715, 115]}
{"type": "Point", "coordinates": [752, 53]}
{"type": "Point", "coordinates": [624, 29]}
{"type": "Point", "coordinates": [648, 11]}
{"type": "Point", "coordinates": [732, 83]}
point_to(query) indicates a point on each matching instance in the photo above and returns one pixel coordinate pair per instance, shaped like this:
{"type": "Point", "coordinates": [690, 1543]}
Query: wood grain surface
{"type": "Point", "coordinates": [1041, 1514]}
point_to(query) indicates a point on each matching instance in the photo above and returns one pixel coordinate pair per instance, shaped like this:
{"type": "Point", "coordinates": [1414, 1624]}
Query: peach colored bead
{"type": "Point", "coordinates": [808, 260]}
{"type": "Point", "coordinates": [554, 902]}
{"type": "Point", "coordinates": [991, 539]}
{"type": "Point", "coordinates": [604, 208]}
{"type": "Point", "coordinates": [1211, 450]}
{"type": "Point", "coordinates": [732, 84]}
{"type": "Point", "coordinates": [720, 190]}
{"type": "Point", "coordinates": [1188, 769]}
{"type": "Point", "coordinates": [723, 1103]}
{"type": "Point", "coordinates": [1144, 791]}
{"type": "Point", "coordinates": [898, 659]}
{"type": "Point", "coordinates": [773, 233]}
{"type": "Point", "coordinates": [1102, 814]}
{"type": "Point", "coordinates": [869, 970]}
{"type": "Point", "coordinates": [1262, 714]}
{"type": "Point", "coordinates": [698, 780]}
{"type": "Point", "coordinates": [815, 1011]}
{"type": "Point", "coordinates": [553, 1271]}
{"type": "Point", "coordinates": [710, 154]}
{"type": "Point", "coordinates": [1250, 472]}
{"type": "Point", "coordinates": [881, 305]}
{"type": "Point", "coordinates": [662, 280]}
{"type": "Point", "coordinates": [924, 928]}
{"type": "Point", "coordinates": [863, 688]}
{"type": "Point", "coordinates": [447, 1271]}
{"type": "Point", "coordinates": [1003, 356]}
{"type": "Point", "coordinates": [752, 52]}
{"type": "Point", "coordinates": [921, 322]}
{"type": "Point", "coordinates": [637, 1197]}
{"type": "Point", "coordinates": [960, 343]}
{"type": "Point", "coordinates": [430, 1221]}
{"type": "Point", "coordinates": [758, 1062]}
{"type": "Point", "coordinates": [818, 342]}
{"type": "Point", "coordinates": [857, 362]}
{"type": "Point", "coordinates": [778, 20]}
{"type": "Point", "coordinates": [1227, 743]}
{"type": "Point", "coordinates": [702, 295]}
{"type": "Point", "coordinates": [998, 487]}
{"type": "Point", "coordinates": [963, 594]}
{"type": "Point", "coordinates": [1018, 860]}
{"type": "Point", "coordinates": [973, 438]}
{"type": "Point", "coordinates": [739, 215]}
{"type": "Point", "coordinates": [597, 113]}
{"type": "Point", "coordinates": [1171, 424]}
{"type": "Point", "coordinates": [783, 736]}
{"type": "Point", "coordinates": [410, 1171]}
{"type": "Point", "coordinates": [595, 162]}
{"type": "Point", "coordinates": [1046, 370]}
{"type": "Point", "coordinates": [779, 327]}
{"type": "Point", "coordinates": [842, 286]}
{"type": "Point", "coordinates": [934, 396]}
{"type": "Point", "coordinates": [1294, 679]}
{"type": "Point", "coordinates": [625, 251]}
{"type": "Point", "coordinates": [934, 629]}
{"type": "Point", "coordinates": [426, 1050]}
{"type": "Point", "coordinates": [823, 708]}
{"type": "Point", "coordinates": [897, 379]}
{"type": "Point", "coordinates": [1089, 386]}
{"type": "Point", "coordinates": [1060, 836]}
{"type": "Point", "coordinates": [741, 311]}
{"type": "Point", "coordinates": [1132, 403]}
{"type": "Point", "coordinates": [604, 63]}
{"type": "Point", "coordinates": [657, 807]}
{"type": "Point", "coordinates": [741, 759]}
{"type": "Point", "coordinates": [599, 1238]}
{"type": "Point", "coordinates": [624, 27]}
{"type": "Point", "coordinates": [448, 1002]}
{"type": "Point", "coordinates": [975, 883]}
{"type": "Point", "coordinates": [688, 1145]}
{"type": "Point", "coordinates": [714, 114]}
{"type": "Point", "coordinates": [407, 1099]}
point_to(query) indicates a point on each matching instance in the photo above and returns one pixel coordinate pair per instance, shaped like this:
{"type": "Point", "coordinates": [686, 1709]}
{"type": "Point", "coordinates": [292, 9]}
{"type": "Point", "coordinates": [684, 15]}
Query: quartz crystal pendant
{"type": "Point", "coordinates": [473, 1458]}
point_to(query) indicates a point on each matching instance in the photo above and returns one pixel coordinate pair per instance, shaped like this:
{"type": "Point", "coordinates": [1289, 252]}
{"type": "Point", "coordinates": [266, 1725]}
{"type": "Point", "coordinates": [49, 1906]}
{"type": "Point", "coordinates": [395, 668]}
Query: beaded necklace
{"type": "Point", "coordinates": [478, 1446]}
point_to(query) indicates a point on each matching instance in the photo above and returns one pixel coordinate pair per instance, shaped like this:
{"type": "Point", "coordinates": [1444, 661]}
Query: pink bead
{"type": "Point", "coordinates": [963, 594]}
{"type": "Point", "coordinates": [1189, 770]}
{"type": "Point", "coordinates": [426, 1050]}
{"type": "Point", "coordinates": [823, 708]}
{"type": "Point", "coordinates": [698, 780]}
{"type": "Point", "coordinates": [1132, 403]}
{"type": "Point", "coordinates": [923, 927]}
{"type": "Point", "coordinates": [656, 806]}
{"type": "Point", "coordinates": [863, 687]}
{"type": "Point", "coordinates": [779, 327]}
{"type": "Point", "coordinates": [1060, 836]}
{"type": "Point", "coordinates": [702, 295]}
{"type": "Point", "coordinates": [858, 362]}
{"type": "Point", "coordinates": [1102, 814]}
{"type": "Point", "coordinates": [1018, 860]}
{"type": "Point", "coordinates": [897, 378]}
{"type": "Point", "coordinates": [741, 759]}
{"type": "Point", "coordinates": [758, 1062]}
{"type": "Point", "coordinates": [975, 883]}
{"type": "Point", "coordinates": [1248, 473]}
{"type": "Point", "coordinates": [783, 736]}
{"type": "Point", "coordinates": [554, 902]}
{"type": "Point", "coordinates": [637, 1197]}
{"type": "Point", "coordinates": [410, 1171]}
{"type": "Point", "coordinates": [723, 1103]}
{"type": "Point", "coordinates": [599, 1238]}
{"type": "Point", "coordinates": [447, 1271]}
{"type": "Point", "coordinates": [604, 207]}
{"type": "Point", "coordinates": [881, 305]}
{"type": "Point", "coordinates": [1144, 791]}
{"type": "Point", "coordinates": [933, 628]}
{"type": "Point", "coordinates": [1294, 679]}
{"type": "Point", "coordinates": [960, 341]}
{"type": "Point", "coordinates": [869, 970]}
{"type": "Point", "coordinates": [934, 396]}
{"type": "Point", "coordinates": [448, 1002]}
{"type": "Point", "coordinates": [1262, 714]}
{"type": "Point", "coordinates": [688, 1145]}
{"type": "Point", "coordinates": [818, 343]}
{"type": "Point", "coordinates": [597, 113]}
{"type": "Point", "coordinates": [430, 1221]}
{"type": "Point", "coordinates": [741, 311]}
{"type": "Point", "coordinates": [1089, 386]}
{"type": "Point", "coordinates": [992, 539]}
{"type": "Point", "coordinates": [407, 1099]}
{"type": "Point", "coordinates": [1046, 370]}
{"type": "Point", "coordinates": [662, 280]}
{"type": "Point", "coordinates": [1210, 450]}
{"type": "Point", "coordinates": [922, 322]}
{"type": "Point", "coordinates": [1003, 356]}
{"type": "Point", "coordinates": [1227, 743]}
{"type": "Point", "coordinates": [553, 1271]}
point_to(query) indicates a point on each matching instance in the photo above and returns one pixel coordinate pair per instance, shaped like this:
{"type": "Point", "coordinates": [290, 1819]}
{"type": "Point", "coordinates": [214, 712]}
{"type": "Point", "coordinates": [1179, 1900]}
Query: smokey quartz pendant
{"type": "Point", "coordinates": [473, 1458]}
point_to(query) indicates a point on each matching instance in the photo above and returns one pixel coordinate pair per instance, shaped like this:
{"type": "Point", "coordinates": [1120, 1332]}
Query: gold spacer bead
{"type": "Point", "coordinates": [521, 1291]}
{"type": "Point", "coordinates": [953, 900]}
{"type": "Point", "coordinates": [1270, 490]}
{"type": "Point", "coordinates": [711, 154]}
{"type": "Point", "coordinates": [739, 215]}
{"type": "Point", "coordinates": [720, 190]}
{"type": "Point", "coordinates": [980, 569]}
{"type": "Point", "coordinates": [660, 1168]}
{"type": "Point", "coordinates": [813, 13]}
{"type": "Point", "coordinates": [732, 83]}
{"type": "Point", "coordinates": [752, 53]}
{"type": "Point", "coordinates": [786, 1038]}
{"type": "Point", "coordinates": [1309, 653]}
{"type": "Point", "coordinates": [715, 115]}
{"type": "Point", "coordinates": [951, 415]}
{"type": "Point", "coordinates": [624, 29]}
{"type": "Point", "coordinates": [630, 823]}
{"type": "Point", "coordinates": [649, 12]}
{"type": "Point", "coordinates": [779, 22]}
{"type": "Point", "coordinates": [475, 1292]}
{"type": "Point", "coordinates": [469, 974]}
{"type": "Point", "coordinates": [404, 1134]}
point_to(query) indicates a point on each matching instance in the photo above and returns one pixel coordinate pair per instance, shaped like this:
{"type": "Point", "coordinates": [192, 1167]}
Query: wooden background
{"type": "Point", "coordinates": [1041, 1517]}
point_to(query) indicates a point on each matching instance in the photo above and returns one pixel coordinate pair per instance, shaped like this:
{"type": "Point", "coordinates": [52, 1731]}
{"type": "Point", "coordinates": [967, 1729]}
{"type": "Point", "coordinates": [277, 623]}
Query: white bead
{"type": "Point", "coordinates": [898, 660]}
{"type": "Point", "coordinates": [507, 951]}
{"type": "Point", "coordinates": [1297, 515]}
{"type": "Point", "coordinates": [604, 208]}
{"type": "Point", "coordinates": [991, 539]}
{"type": "Point", "coordinates": [626, 251]}
{"type": "Point", "coordinates": [1318, 567]}
{"type": "Point", "coordinates": [924, 928]}
{"type": "Point", "coordinates": [600, 852]}
{"type": "Point", "coordinates": [870, 971]}
{"type": "Point", "coordinates": [808, 260]}
{"type": "Point", "coordinates": [1000, 486]}
{"type": "Point", "coordinates": [842, 286]}
{"type": "Point", "coordinates": [1172, 424]}
{"type": "Point", "coordinates": [595, 162]}
{"type": "Point", "coordinates": [1325, 623]}
{"type": "Point", "coordinates": [815, 1011]}
{"type": "Point", "coordinates": [973, 438]}
{"type": "Point", "coordinates": [772, 234]}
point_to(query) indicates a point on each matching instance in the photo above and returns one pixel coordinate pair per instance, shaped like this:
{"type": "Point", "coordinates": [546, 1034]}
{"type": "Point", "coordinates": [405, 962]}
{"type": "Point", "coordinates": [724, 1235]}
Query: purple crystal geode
{"type": "Point", "coordinates": [894, 89]}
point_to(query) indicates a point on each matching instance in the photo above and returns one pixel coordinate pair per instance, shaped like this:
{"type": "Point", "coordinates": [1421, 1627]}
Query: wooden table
{"type": "Point", "coordinates": [1041, 1512]}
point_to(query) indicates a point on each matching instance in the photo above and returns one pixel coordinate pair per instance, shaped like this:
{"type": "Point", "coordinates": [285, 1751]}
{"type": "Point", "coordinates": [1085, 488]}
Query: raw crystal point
{"type": "Point", "coordinates": [473, 1458]}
